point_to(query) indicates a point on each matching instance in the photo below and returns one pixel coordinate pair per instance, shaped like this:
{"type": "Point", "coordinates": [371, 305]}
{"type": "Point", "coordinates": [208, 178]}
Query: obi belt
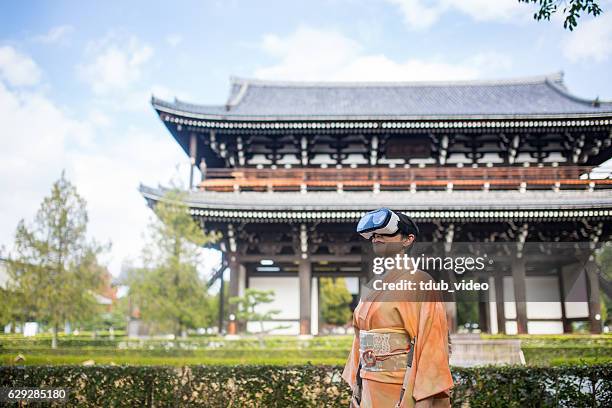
{"type": "Point", "coordinates": [380, 351]}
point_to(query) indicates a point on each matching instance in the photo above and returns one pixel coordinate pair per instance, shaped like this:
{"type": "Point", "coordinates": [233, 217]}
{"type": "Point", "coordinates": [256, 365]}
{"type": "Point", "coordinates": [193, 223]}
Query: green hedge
{"type": "Point", "coordinates": [210, 357]}
{"type": "Point", "coordinates": [304, 386]}
{"type": "Point", "coordinates": [187, 344]}
{"type": "Point", "coordinates": [546, 355]}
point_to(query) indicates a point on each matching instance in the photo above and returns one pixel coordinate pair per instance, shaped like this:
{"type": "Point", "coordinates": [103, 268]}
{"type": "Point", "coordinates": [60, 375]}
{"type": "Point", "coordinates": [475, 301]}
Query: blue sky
{"type": "Point", "coordinates": [76, 78]}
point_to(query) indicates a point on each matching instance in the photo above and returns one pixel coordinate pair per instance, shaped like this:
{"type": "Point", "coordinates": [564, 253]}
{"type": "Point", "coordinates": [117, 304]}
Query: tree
{"type": "Point", "coordinates": [247, 308]}
{"type": "Point", "coordinates": [54, 271]}
{"type": "Point", "coordinates": [12, 306]}
{"type": "Point", "coordinates": [215, 306]}
{"type": "Point", "coordinates": [571, 10]}
{"type": "Point", "coordinates": [604, 259]}
{"type": "Point", "coordinates": [169, 291]}
{"type": "Point", "coordinates": [335, 301]}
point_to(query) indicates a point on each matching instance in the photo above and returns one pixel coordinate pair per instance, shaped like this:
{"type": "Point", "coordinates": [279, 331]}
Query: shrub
{"type": "Point", "coordinates": [303, 386]}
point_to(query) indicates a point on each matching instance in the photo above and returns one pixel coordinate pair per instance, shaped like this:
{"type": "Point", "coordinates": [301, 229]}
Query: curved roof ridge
{"type": "Point", "coordinates": [561, 89]}
{"type": "Point", "coordinates": [179, 104]}
{"type": "Point", "coordinates": [235, 99]}
{"type": "Point", "coordinates": [556, 77]}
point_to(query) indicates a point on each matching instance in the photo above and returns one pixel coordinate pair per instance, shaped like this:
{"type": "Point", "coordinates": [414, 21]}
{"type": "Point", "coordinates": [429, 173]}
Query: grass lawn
{"type": "Point", "coordinates": [276, 350]}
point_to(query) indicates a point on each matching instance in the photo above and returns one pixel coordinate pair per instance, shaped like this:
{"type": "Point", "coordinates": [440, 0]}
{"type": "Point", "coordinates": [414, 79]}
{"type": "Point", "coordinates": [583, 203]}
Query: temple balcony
{"type": "Point", "coordinates": [406, 179]}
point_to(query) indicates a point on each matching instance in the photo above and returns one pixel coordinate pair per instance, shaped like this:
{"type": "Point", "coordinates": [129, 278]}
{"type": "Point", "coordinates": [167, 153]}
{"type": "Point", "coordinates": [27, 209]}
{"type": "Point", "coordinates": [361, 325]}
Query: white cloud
{"type": "Point", "coordinates": [314, 54]}
{"type": "Point", "coordinates": [104, 160]}
{"type": "Point", "coordinates": [138, 99]}
{"type": "Point", "coordinates": [108, 177]}
{"type": "Point", "coordinates": [115, 63]}
{"type": "Point", "coordinates": [55, 34]}
{"type": "Point", "coordinates": [99, 118]}
{"type": "Point", "coordinates": [36, 139]}
{"type": "Point", "coordinates": [174, 40]}
{"type": "Point", "coordinates": [18, 69]}
{"type": "Point", "coordinates": [498, 10]}
{"type": "Point", "coordinates": [591, 40]}
{"type": "Point", "coordinates": [307, 54]}
{"type": "Point", "coordinates": [420, 14]}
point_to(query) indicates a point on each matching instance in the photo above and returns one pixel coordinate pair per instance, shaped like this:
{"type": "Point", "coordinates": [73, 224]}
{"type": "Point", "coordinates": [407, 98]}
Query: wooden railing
{"type": "Point", "coordinates": [222, 179]}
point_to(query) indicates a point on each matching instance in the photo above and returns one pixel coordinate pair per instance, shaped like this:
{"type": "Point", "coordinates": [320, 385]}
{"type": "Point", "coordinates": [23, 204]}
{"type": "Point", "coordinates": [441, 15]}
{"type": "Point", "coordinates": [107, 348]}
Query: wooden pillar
{"type": "Point", "coordinates": [593, 295]}
{"type": "Point", "coordinates": [221, 304]}
{"type": "Point", "coordinates": [520, 299]}
{"type": "Point", "coordinates": [483, 309]}
{"type": "Point", "coordinates": [305, 275]}
{"type": "Point", "coordinates": [193, 150]}
{"type": "Point", "coordinates": [203, 169]}
{"type": "Point", "coordinates": [567, 327]}
{"type": "Point", "coordinates": [232, 326]}
{"type": "Point", "coordinates": [367, 259]}
{"type": "Point", "coordinates": [499, 302]}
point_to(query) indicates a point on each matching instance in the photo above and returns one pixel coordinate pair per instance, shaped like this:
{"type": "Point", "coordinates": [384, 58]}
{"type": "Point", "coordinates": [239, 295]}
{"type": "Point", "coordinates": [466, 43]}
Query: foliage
{"type": "Point", "coordinates": [604, 260]}
{"type": "Point", "coordinates": [104, 320]}
{"type": "Point", "coordinates": [12, 306]}
{"type": "Point", "coordinates": [543, 350]}
{"type": "Point", "coordinates": [467, 308]}
{"type": "Point", "coordinates": [175, 357]}
{"type": "Point", "coordinates": [571, 10]}
{"type": "Point", "coordinates": [303, 385]}
{"type": "Point", "coordinates": [54, 272]}
{"type": "Point", "coordinates": [169, 290]}
{"type": "Point", "coordinates": [248, 307]}
{"type": "Point", "coordinates": [575, 386]}
{"type": "Point", "coordinates": [556, 355]}
{"type": "Point", "coordinates": [335, 300]}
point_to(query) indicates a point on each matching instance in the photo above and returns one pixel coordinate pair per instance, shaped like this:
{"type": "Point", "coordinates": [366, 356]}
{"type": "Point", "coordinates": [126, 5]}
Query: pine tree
{"type": "Point", "coordinates": [335, 301]}
{"type": "Point", "coordinates": [54, 270]}
{"type": "Point", "coordinates": [168, 290]}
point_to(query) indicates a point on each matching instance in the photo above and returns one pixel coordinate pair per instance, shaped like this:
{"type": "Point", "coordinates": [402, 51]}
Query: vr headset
{"type": "Point", "coordinates": [385, 222]}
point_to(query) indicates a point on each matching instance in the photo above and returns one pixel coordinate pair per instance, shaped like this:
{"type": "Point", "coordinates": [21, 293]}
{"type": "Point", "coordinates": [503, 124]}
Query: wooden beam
{"type": "Point", "coordinates": [483, 308]}
{"type": "Point", "coordinates": [499, 303]}
{"type": "Point", "coordinates": [295, 258]}
{"type": "Point", "coordinates": [567, 327]}
{"type": "Point", "coordinates": [234, 288]}
{"type": "Point", "coordinates": [592, 277]}
{"type": "Point", "coordinates": [221, 304]}
{"type": "Point", "coordinates": [520, 298]}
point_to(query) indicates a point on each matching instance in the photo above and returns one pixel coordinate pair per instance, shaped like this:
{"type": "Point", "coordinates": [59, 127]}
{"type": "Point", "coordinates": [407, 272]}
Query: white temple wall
{"type": "Point", "coordinates": [314, 306]}
{"type": "Point", "coordinates": [286, 300]}
{"type": "Point", "coordinates": [537, 287]}
{"type": "Point", "coordinates": [575, 285]}
{"type": "Point", "coordinates": [492, 307]}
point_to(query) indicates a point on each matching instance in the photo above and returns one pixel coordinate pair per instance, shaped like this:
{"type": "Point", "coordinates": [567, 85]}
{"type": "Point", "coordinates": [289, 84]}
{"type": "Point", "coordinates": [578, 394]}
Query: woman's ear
{"type": "Point", "coordinates": [408, 240]}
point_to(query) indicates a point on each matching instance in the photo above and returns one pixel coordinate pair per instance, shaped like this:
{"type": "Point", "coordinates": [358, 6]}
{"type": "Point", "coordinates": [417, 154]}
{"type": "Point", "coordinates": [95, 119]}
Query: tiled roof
{"type": "Point", "coordinates": [252, 99]}
{"type": "Point", "coordinates": [400, 200]}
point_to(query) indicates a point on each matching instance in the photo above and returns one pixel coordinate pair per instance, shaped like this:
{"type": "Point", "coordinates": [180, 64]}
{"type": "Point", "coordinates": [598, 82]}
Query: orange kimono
{"type": "Point", "coordinates": [423, 317]}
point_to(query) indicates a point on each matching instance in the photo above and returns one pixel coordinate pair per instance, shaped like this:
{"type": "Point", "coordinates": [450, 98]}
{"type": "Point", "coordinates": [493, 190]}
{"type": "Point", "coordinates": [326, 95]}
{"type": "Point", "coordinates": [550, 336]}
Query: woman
{"type": "Point", "coordinates": [399, 356]}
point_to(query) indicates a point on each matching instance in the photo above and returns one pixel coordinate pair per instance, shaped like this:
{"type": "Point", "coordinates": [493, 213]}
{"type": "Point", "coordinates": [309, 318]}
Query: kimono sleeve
{"type": "Point", "coordinates": [349, 374]}
{"type": "Point", "coordinates": [432, 377]}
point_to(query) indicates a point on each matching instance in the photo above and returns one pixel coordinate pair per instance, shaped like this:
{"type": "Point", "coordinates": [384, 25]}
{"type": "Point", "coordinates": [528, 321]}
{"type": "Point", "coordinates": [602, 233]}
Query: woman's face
{"type": "Point", "coordinates": [387, 238]}
{"type": "Point", "coordinates": [389, 245]}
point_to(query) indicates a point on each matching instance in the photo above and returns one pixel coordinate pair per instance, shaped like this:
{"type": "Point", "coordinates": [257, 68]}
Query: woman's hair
{"type": "Point", "coordinates": [407, 226]}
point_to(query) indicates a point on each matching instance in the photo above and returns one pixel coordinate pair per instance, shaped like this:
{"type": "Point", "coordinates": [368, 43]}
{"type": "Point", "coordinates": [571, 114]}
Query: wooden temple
{"type": "Point", "coordinates": [286, 169]}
